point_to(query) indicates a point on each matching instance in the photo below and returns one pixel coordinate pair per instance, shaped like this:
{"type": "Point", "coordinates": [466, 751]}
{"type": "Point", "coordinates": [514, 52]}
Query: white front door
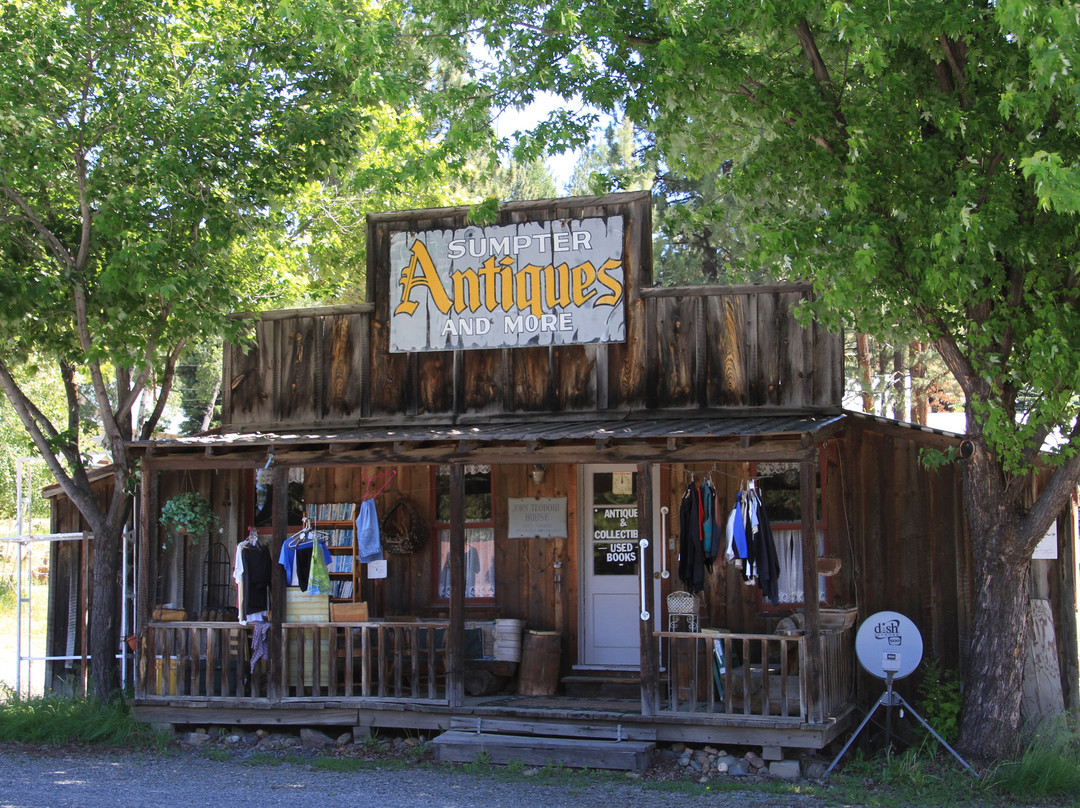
{"type": "Point", "coordinates": [610, 569]}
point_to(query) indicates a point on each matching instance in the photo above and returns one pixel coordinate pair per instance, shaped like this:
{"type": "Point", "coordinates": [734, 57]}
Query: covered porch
{"type": "Point", "coordinates": [416, 668]}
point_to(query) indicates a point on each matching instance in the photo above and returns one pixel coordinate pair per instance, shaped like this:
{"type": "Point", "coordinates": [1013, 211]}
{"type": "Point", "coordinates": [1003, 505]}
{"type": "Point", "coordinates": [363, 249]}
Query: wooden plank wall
{"type": "Point", "coordinates": [311, 367]}
{"type": "Point", "coordinates": [65, 629]}
{"type": "Point", "coordinates": [525, 571]}
{"type": "Point", "coordinates": [900, 531]}
{"type": "Point", "coordinates": [690, 347]}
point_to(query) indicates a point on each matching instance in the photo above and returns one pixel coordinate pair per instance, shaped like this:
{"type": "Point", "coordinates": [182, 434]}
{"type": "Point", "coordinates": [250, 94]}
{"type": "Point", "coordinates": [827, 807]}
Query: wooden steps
{"type": "Point", "coordinates": [547, 743]}
{"type": "Point", "coordinates": [606, 686]}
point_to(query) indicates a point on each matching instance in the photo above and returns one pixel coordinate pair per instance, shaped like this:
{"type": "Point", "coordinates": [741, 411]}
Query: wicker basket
{"type": "Point", "coordinates": [683, 604]}
{"type": "Point", "coordinates": [403, 529]}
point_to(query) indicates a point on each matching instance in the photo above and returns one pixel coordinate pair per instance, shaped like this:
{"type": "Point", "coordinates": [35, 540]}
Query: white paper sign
{"type": "Point", "coordinates": [376, 569]}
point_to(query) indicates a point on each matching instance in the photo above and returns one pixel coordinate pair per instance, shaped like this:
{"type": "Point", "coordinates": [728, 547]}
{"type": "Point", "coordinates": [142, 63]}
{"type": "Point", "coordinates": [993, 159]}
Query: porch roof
{"type": "Point", "coordinates": [533, 433]}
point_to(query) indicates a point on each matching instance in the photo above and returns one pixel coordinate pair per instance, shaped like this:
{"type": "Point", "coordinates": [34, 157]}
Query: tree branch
{"type": "Point", "coordinates": [51, 241]}
{"type": "Point", "coordinates": [105, 410]}
{"type": "Point", "coordinates": [955, 56]}
{"type": "Point", "coordinates": [821, 72]}
{"type": "Point", "coordinates": [76, 485]}
{"type": "Point", "coordinates": [167, 378]}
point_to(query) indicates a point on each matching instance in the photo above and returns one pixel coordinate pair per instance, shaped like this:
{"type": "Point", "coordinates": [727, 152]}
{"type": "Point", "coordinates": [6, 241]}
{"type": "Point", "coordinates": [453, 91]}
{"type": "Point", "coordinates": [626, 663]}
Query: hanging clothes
{"type": "Point", "coordinates": [710, 528]}
{"type": "Point", "coordinates": [251, 572]}
{"type": "Point", "coordinates": [691, 553]}
{"type": "Point", "coordinates": [368, 543]}
{"type": "Point", "coordinates": [257, 573]}
{"type": "Point", "coordinates": [735, 532]}
{"type": "Point", "coordinates": [259, 644]}
{"type": "Point", "coordinates": [767, 561]}
{"type": "Point", "coordinates": [295, 557]}
{"type": "Point", "coordinates": [318, 576]}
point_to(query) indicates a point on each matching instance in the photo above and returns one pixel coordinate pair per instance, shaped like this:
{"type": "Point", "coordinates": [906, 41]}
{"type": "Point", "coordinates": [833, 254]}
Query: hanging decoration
{"type": "Point", "coordinates": [403, 528]}
{"type": "Point", "coordinates": [188, 514]}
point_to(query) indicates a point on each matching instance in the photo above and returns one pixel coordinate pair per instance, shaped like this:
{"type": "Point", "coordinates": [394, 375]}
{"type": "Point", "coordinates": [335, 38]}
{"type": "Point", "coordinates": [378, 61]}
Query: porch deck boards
{"type": "Point", "coordinates": [699, 727]}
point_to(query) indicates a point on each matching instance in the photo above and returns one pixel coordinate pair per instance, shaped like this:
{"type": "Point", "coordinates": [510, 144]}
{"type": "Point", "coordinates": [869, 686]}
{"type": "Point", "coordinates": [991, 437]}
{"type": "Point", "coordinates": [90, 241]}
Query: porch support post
{"type": "Point", "coordinates": [811, 598]}
{"type": "Point", "coordinates": [650, 668]}
{"type": "Point", "coordinates": [455, 673]}
{"type": "Point", "coordinates": [279, 527]}
{"type": "Point", "coordinates": [148, 504]}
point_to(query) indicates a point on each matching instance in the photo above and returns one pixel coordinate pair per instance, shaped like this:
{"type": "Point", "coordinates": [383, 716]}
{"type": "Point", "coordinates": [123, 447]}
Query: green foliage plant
{"type": "Point", "coordinates": [143, 146]}
{"type": "Point", "coordinates": [188, 514]}
{"type": "Point", "coordinates": [940, 699]}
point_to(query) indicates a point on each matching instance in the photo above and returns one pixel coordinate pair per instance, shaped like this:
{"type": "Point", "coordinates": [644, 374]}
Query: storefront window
{"type": "Point", "coordinates": [479, 532]}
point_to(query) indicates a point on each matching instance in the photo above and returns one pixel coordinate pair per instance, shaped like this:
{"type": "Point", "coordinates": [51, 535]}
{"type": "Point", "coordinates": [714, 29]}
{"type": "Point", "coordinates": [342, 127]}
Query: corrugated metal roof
{"type": "Point", "coordinates": [546, 429]}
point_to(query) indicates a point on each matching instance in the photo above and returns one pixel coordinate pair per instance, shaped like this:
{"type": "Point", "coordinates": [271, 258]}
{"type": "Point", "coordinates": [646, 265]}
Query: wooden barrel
{"type": "Point", "coordinates": [540, 657]}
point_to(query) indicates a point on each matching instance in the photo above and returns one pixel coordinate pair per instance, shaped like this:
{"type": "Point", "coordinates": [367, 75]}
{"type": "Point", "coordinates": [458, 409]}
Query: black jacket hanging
{"type": "Point", "coordinates": [710, 527]}
{"type": "Point", "coordinates": [691, 556]}
{"type": "Point", "coordinates": [766, 560]}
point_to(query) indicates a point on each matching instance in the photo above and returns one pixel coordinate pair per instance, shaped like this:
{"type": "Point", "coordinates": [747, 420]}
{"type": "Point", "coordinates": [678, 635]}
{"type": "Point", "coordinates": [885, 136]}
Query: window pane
{"type": "Point", "coordinates": [477, 482]}
{"type": "Point", "coordinates": [778, 487]}
{"type": "Point", "coordinates": [479, 562]}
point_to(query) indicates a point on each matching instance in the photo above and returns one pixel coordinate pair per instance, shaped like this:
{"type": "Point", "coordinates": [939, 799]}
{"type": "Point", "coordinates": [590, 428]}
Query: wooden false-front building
{"type": "Point", "coordinates": [522, 414]}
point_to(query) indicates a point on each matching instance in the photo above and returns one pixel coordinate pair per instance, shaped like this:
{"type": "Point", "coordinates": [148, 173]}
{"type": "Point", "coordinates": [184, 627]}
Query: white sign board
{"type": "Point", "coordinates": [537, 517]}
{"type": "Point", "coordinates": [512, 286]}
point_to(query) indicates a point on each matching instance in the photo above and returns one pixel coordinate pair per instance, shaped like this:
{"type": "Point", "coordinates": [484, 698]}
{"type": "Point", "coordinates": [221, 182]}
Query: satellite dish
{"type": "Point", "coordinates": [888, 645]}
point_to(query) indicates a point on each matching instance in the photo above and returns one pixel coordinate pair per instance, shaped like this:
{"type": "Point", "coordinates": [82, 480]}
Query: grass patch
{"type": "Point", "coordinates": [918, 776]}
{"type": "Point", "coordinates": [1047, 768]}
{"type": "Point", "coordinates": [58, 720]}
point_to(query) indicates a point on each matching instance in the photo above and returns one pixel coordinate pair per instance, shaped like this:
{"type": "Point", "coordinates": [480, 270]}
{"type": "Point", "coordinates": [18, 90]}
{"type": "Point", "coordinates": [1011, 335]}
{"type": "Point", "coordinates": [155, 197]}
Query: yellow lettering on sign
{"type": "Point", "coordinates": [611, 283]}
{"type": "Point", "coordinates": [528, 290]}
{"type": "Point", "coordinates": [466, 290]}
{"type": "Point", "coordinates": [583, 277]}
{"type": "Point", "coordinates": [427, 276]}
{"type": "Point", "coordinates": [496, 284]}
{"type": "Point", "coordinates": [557, 286]}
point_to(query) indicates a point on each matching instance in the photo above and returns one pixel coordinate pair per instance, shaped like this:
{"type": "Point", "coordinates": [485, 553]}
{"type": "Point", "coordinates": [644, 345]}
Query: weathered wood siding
{"type": "Point", "coordinates": [692, 347]}
{"type": "Point", "coordinates": [70, 591]}
{"type": "Point", "coordinates": [525, 571]}
{"type": "Point", "coordinates": [897, 529]}
{"type": "Point", "coordinates": [902, 528]}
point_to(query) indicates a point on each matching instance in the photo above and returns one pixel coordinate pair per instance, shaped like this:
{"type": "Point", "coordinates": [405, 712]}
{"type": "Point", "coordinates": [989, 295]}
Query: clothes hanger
{"type": "Point", "coordinates": [385, 477]}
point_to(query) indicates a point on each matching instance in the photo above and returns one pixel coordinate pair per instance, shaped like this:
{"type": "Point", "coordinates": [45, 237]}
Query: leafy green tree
{"type": "Point", "coordinates": [138, 141]}
{"type": "Point", "coordinates": [516, 181]}
{"type": "Point", "coordinates": [921, 163]}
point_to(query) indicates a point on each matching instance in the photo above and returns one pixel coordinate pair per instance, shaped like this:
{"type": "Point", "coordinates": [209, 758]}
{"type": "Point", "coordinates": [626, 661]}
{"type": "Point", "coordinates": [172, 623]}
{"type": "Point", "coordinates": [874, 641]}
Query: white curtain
{"type": "Point", "coordinates": [789, 552]}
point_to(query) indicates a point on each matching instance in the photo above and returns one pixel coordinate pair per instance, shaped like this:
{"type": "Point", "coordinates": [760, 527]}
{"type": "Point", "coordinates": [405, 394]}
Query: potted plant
{"type": "Point", "coordinates": [188, 514]}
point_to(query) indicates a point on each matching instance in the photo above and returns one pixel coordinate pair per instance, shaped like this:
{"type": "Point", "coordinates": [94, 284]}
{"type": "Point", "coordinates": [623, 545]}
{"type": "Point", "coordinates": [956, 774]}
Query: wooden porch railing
{"type": "Point", "coordinates": [199, 660]}
{"type": "Point", "coordinates": [366, 660]}
{"type": "Point", "coordinates": [320, 660]}
{"type": "Point", "coordinates": [751, 674]}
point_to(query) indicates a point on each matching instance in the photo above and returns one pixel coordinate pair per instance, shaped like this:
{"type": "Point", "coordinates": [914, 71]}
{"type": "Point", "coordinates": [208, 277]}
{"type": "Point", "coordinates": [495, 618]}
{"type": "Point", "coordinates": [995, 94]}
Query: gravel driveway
{"type": "Point", "coordinates": [41, 777]}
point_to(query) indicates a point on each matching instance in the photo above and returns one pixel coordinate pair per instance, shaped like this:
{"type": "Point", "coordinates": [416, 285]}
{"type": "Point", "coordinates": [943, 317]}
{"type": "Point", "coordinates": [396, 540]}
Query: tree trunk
{"type": "Point", "coordinates": [899, 379]}
{"type": "Point", "coordinates": [104, 626]}
{"type": "Point", "coordinates": [920, 406]}
{"type": "Point", "coordinates": [995, 663]}
{"type": "Point", "coordinates": [862, 357]}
